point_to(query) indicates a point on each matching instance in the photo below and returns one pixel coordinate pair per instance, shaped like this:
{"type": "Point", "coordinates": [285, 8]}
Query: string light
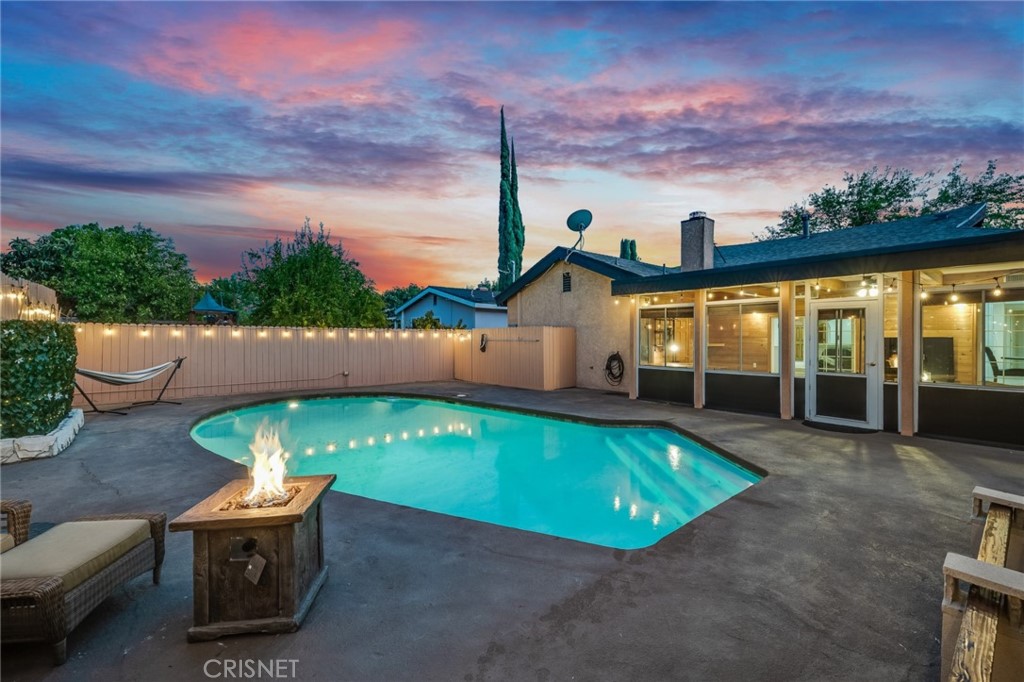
{"type": "Point", "coordinates": [924, 294]}
{"type": "Point", "coordinates": [953, 297]}
{"type": "Point", "coordinates": [998, 291]}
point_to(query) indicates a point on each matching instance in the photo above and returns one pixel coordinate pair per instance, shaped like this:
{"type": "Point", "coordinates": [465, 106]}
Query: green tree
{"type": "Point", "coordinates": [1003, 192]}
{"type": "Point", "coordinates": [487, 284]}
{"type": "Point", "coordinates": [429, 321]}
{"type": "Point", "coordinates": [869, 197]}
{"type": "Point", "coordinates": [108, 274]}
{"type": "Point", "coordinates": [506, 216]}
{"type": "Point", "coordinates": [627, 249]}
{"type": "Point", "coordinates": [396, 297]}
{"type": "Point", "coordinates": [310, 282]}
{"type": "Point", "coordinates": [873, 196]}
{"type": "Point", "coordinates": [518, 229]}
{"type": "Point", "coordinates": [235, 292]}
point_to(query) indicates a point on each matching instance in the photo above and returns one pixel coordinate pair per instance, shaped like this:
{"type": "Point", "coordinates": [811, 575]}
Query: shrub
{"type": "Point", "coordinates": [37, 376]}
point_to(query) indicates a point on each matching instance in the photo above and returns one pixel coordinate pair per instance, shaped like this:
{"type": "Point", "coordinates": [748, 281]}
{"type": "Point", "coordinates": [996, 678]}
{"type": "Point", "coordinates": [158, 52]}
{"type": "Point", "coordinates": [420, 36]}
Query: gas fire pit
{"type": "Point", "coordinates": [256, 568]}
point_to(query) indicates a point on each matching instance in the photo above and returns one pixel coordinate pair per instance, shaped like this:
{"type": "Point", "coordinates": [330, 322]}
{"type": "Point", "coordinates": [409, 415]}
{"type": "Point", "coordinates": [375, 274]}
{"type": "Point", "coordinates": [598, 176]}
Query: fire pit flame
{"type": "Point", "coordinates": [267, 474]}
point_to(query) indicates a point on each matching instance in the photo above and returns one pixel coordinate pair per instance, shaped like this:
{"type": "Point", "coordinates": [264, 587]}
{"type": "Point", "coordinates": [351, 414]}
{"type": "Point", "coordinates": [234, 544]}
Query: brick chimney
{"type": "Point", "coordinates": [697, 237]}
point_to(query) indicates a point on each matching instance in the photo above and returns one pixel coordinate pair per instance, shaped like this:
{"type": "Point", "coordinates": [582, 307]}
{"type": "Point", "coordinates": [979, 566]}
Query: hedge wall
{"type": "Point", "coordinates": [37, 376]}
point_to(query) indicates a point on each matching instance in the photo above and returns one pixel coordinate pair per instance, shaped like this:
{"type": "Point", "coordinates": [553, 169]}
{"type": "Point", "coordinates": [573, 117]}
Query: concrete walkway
{"type": "Point", "coordinates": [829, 569]}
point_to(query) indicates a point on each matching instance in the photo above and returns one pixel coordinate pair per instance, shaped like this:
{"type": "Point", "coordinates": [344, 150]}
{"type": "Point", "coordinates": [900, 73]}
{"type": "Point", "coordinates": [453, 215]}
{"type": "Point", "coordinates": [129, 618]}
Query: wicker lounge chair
{"type": "Point", "coordinates": [50, 583]}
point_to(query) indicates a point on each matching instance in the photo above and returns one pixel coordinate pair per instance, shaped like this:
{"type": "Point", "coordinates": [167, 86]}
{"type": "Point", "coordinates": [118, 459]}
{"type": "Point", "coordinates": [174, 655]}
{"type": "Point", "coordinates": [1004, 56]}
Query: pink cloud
{"type": "Point", "coordinates": [259, 54]}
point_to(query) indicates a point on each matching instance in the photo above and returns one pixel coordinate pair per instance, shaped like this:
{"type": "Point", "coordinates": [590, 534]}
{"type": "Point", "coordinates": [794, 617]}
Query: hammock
{"type": "Point", "coordinates": [127, 378]}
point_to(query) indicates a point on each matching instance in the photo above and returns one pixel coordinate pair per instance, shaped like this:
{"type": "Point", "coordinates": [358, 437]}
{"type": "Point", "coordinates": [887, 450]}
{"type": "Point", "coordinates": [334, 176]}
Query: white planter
{"type": "Point", "coordinates": [34, 447]}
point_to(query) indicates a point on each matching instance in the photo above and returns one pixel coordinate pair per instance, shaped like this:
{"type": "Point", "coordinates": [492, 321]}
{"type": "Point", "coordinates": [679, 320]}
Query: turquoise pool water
{"type": "Point", "coordinates": [622, 487]}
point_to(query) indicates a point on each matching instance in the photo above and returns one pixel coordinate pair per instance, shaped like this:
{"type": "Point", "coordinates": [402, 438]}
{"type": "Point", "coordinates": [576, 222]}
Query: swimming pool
{"type": "Point", "coordinates": [618, 486]}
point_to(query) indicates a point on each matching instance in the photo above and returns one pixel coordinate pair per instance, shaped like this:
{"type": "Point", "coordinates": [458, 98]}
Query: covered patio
{"type": "Point", "coordinates": [830, 568]}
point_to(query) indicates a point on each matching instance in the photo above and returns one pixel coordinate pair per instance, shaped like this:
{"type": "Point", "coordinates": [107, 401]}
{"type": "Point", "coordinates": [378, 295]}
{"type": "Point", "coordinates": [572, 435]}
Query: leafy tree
{"type": "Point", "coordinates": [873, 196]}
{"type": "Point", "coordinates": [108, 274]}
{"type": "Point", "coordinates": [1004, 194]}
{"type": "Point", "coordinates": [396, 297]}
{"type": "Point", "coordinates": [430, 321]}
{"type": "Point", "coordinates": [235, 292]}
{"type": "Point", "coordinates": [310, 282]}
{"type": "Point", "coordinates": [869, 197]}
{"type": "Point", "coordinates": [486, 283]}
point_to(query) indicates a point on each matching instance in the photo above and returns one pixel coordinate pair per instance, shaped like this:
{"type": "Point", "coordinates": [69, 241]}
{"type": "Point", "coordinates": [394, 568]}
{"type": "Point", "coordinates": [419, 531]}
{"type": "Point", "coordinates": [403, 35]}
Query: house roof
{"type": "Point", "coordinates": [609, 266]}
{"type": "Point", "coordinates": [474, 298]}
{"type": "Point", "coordinates": [936, 240]}
{"type": "Point", "coordinates": [207, 304]}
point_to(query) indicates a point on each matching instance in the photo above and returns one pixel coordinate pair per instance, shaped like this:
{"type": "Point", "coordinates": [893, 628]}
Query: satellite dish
{"type": "Point", "coordinates": [579, 220]}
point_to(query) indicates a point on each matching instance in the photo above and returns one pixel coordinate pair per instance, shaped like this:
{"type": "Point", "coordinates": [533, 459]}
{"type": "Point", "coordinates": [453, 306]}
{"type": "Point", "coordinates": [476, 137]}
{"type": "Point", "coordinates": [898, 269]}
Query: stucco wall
{"type": "Point", "coordinates": [602, 326]}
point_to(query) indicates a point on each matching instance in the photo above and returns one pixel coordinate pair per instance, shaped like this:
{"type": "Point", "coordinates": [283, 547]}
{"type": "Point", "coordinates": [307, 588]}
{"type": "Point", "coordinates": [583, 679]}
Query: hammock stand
{"type": "Point", "coordinates": [126, 378]}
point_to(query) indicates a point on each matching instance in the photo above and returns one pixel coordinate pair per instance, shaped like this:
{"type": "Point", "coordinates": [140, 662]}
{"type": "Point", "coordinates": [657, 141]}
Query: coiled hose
{"type": "Point", "coordinates": [614, 369]}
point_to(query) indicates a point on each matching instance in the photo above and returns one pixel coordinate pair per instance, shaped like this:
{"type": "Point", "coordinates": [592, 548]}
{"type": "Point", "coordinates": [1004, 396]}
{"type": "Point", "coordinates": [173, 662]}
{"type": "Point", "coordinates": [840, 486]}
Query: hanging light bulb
{"type": "Point", "coordinates": [889, 289]}
{"type": "Point", "coordinates": [953, 297]}
{"type": "Point", "coordinates": [998, 291]}
{"type": "Point", "coordinates": [873, 288]}
{"type": "Point", "coordinates": [924, 294]}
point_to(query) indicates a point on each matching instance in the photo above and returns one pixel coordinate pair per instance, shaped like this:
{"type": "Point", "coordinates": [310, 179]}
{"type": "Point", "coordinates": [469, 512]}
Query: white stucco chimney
{"type": "Point", "coordinates": [697, 242]}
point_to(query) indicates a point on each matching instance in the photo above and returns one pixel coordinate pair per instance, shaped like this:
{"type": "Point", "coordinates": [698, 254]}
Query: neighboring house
{"type": "Point", "coordinates": [570, 288]}
{"type": "Point", "coordinates": [914, 326]}
{"type": "Point", "coordinates": [473, 307]}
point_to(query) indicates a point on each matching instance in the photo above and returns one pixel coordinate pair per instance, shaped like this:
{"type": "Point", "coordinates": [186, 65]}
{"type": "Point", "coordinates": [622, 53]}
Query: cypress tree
{"type": "Point", "coordinates": [624, 249]}
{"type": "Point", "coordinates": [518, 229]}
{"type": "Point", "coordinates": [632, 250]}
{"type": "Point", "coordinates": [506, 215]}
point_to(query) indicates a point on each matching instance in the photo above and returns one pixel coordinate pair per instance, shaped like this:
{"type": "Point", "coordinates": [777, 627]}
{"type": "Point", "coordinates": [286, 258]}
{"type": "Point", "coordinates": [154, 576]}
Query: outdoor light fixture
{"type": "Point", "coordinates": [924, 294]}
{"type": "Point", "coordinates": [775, 289]}
{"type": "Point", "coordinates": [953, 297]}
{"type": "Point", "coordinates": [998, 291]}
{"type": "Point", "coordinates": [873, 288]}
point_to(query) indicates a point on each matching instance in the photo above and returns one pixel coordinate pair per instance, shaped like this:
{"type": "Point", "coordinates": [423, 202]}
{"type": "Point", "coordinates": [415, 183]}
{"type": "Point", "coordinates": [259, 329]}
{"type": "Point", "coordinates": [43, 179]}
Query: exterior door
{"type": "Point", "coordinates": [844, 363]}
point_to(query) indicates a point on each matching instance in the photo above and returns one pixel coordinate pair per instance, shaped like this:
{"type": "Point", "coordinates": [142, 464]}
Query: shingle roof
{"type": "Point", "coordinates": [609, 266]}
{"type": "Point", "coordinates": [485, 296]}
{"type": "Point", "coordinates": [936, 227]}
{"type": "Point", "coordinates": [936, 240]}
{"type": "Point", "coordinates": [474, 298]}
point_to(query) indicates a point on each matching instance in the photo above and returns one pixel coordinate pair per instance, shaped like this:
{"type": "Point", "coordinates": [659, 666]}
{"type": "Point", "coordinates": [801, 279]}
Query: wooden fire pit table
{"type": "Point", "coordinates": [255, 570]}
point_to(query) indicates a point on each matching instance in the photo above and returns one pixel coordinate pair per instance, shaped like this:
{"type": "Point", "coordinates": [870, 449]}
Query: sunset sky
{"type": "Point", "coordinates": [222, 125]}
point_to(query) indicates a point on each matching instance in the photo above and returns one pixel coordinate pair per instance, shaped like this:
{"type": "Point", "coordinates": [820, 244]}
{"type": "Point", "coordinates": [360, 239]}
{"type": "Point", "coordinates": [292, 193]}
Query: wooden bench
{"type": "Point", "coordinates": [982, 628]}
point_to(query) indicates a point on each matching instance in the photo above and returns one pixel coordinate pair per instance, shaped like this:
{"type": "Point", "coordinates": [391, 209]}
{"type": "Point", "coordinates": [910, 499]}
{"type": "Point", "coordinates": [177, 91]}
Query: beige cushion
{"type": "Point", "coordinates": [73, 551]}
{"type": "Point", "coordinates": [6, 541]}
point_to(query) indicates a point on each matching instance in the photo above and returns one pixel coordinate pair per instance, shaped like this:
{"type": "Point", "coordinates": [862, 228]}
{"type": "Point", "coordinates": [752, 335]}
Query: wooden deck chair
{"type": "Point", "coordinates": [126, 378]}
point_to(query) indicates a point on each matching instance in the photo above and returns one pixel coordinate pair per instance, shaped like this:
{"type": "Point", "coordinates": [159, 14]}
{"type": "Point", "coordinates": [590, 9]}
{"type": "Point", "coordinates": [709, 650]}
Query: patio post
{"type": "Point", "coordinates": [906, 359]}
{"type": "Point", "coordinates": [699, 333]}
{"type": "Point", "coordinates": [787, 324]}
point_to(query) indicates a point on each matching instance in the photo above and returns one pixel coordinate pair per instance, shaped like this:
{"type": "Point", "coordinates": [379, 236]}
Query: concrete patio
{"type": "Point", "coordinates": [829, 569]}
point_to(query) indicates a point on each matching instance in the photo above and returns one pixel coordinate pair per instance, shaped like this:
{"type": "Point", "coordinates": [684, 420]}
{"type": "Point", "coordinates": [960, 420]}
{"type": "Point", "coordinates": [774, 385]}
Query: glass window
{"type": "Point", "coordinates": [724, 337]}
{"type": "Point", "coordinates": [666, 337]}
{"type": "Point", "coordinates": [890, 328]}
{"type": "Point", "coordinates": [743, 337]}
{"type": "Point", "coordinates": [798, 334]}
{"type": "Point", "coordinates": [949, 330]}
{"type": "Point", "coordinates": [841, 341]}
{"type": "Point", "coordinates": [1003, 361]}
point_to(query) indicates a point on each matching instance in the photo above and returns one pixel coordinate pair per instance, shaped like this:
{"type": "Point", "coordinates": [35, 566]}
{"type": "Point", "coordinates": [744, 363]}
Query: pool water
{"type": "Point", "coordinates": [621, 487]}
